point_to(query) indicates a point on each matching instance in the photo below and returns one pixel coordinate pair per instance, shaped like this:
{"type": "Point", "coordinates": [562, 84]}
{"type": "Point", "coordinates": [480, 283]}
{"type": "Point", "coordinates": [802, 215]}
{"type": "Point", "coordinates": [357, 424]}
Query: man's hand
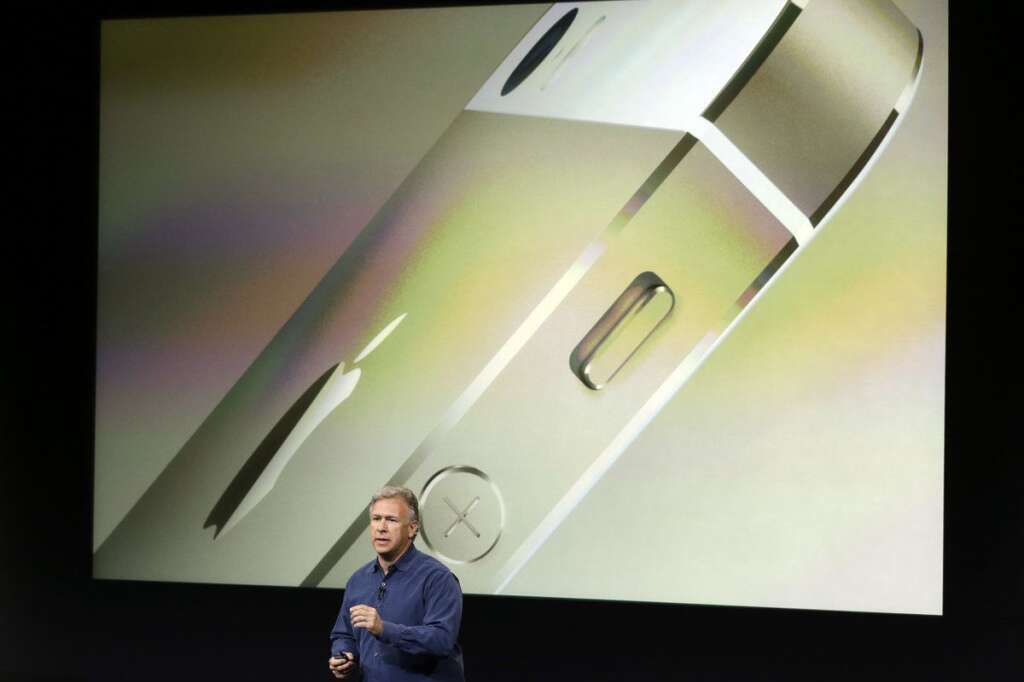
{"type": "Point", "coordinates": [342, 665]}
{"type": "Point", "coordinates": [363, 616]}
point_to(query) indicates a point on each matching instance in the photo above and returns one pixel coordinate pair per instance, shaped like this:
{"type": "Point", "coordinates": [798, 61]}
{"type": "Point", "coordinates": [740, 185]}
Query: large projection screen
{"type": "Point", "coordinates": [632, 331]}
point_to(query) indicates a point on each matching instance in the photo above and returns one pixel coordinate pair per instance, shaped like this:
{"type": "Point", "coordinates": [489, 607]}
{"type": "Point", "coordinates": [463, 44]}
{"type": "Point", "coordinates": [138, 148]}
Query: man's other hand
{"type": "Point", "coordinates": [363, 616]}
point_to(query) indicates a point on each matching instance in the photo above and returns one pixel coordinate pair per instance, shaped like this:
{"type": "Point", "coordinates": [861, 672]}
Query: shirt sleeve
{"type": "Point", "coordinates": [341, 634]}
{"type": "Point", "coordinates": [442, 617]}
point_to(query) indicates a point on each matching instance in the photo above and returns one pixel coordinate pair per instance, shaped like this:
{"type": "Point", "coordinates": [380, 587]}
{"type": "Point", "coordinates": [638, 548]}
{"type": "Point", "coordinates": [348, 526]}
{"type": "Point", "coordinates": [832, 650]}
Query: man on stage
{"type": "Point", "coordinates": [399, 619]}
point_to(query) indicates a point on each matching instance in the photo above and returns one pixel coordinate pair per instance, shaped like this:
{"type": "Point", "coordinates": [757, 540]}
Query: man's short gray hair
{"type": "Point", "coordinates": [390, 492]}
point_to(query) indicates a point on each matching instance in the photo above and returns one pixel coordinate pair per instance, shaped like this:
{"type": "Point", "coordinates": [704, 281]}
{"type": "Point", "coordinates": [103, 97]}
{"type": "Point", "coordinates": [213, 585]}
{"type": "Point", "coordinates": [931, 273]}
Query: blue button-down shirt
{"type": "Point", "coordinates": [420, 602]}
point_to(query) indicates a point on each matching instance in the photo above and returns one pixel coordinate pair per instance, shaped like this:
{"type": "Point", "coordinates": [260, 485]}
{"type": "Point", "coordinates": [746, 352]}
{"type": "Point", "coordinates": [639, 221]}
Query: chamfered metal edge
{"type": "Point", "coordinates": [764, 48]}
{"type": "Point", "coordinates": [899, 109]}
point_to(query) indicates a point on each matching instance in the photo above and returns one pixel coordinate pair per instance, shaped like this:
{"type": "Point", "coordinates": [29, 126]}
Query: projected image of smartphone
{"type": "Point", "coordinates": [575, 245]}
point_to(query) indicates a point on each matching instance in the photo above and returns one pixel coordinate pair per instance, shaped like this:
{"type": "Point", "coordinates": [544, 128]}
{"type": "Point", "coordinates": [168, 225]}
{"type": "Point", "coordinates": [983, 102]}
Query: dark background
{"type": "Point", "coordinates": [56, 622]}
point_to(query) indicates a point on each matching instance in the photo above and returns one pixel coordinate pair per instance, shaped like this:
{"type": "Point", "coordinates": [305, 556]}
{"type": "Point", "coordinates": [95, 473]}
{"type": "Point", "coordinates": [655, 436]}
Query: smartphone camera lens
{"type": "Point", "coordinates": [539, 51]}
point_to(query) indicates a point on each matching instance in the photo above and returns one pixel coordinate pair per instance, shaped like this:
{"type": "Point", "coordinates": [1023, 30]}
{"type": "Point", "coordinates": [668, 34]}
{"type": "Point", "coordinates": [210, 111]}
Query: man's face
{"type": "Point", "coordinates": [391, 527]}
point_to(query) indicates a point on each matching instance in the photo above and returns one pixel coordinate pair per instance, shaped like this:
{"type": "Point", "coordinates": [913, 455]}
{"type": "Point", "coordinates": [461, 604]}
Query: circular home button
{"type": "Point", "coordinates": [461, 514]}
